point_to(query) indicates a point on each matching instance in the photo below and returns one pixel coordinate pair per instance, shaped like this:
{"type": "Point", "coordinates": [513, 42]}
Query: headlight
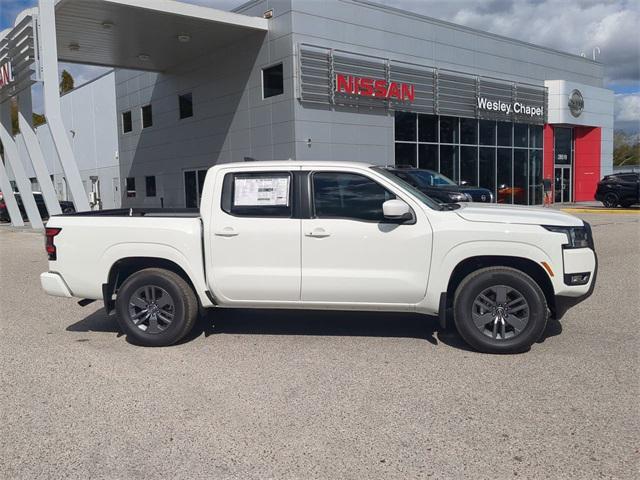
{"type": "Point", "coordinates": [469, 197]}
{"type": "Point", "coordinates": [577, 237]}
{"type": "Point", "coordinates": [457, 197]}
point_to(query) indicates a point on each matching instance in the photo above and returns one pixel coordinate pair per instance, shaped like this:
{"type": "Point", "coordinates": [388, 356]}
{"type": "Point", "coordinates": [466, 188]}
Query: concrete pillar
{"type": "Point", "coordinates": [49, 65]}
{"type": "Point", "coordinates": [12, 156]}
{"type": "Point", "coordinates": [8, 198]}
{"type": "Point", "coordinates": [25, 119]}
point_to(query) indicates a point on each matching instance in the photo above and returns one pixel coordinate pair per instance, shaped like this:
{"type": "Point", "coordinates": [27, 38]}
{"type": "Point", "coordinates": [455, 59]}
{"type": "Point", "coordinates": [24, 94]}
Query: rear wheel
{"type": "Point", "coordinates": [610, 200]}
{"type": "Point", "coordinates": [500, 310]}
{"type": "Point", "coordinates": [156, 307]}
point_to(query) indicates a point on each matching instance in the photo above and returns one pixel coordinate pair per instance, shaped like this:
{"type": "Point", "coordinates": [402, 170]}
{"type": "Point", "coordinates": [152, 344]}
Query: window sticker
{"type": "Point", "coordinates": [262, 191]}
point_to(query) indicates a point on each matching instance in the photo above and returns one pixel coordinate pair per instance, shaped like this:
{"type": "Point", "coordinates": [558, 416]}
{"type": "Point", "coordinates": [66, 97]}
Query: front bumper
{"type": "Point", "coordinates": [564, 302]}
{"type": "Point", "coordinates": [53, 284]}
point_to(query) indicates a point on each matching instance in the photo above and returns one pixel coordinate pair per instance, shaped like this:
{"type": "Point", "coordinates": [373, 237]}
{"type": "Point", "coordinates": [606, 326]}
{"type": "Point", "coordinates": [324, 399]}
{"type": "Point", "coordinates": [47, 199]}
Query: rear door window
{"type": "Point", "coordinates": [258, 194]}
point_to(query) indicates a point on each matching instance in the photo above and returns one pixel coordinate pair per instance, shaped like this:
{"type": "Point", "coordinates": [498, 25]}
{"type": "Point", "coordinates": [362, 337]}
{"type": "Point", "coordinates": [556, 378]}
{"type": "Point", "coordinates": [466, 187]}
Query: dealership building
{"type": "Point", "coordinates": [309, 80]}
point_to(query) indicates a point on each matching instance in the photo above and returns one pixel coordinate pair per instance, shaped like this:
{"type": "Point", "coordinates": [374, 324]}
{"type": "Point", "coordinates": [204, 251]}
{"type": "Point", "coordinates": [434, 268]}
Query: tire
{"type": "Point", "coordinates": [69, 210]}
{"type": "Point", "coordinates": [610, 200]}
{"type": "Point", "coordinates": [156, 307]}
{"type": "Point", "coordinates": [496, 329]}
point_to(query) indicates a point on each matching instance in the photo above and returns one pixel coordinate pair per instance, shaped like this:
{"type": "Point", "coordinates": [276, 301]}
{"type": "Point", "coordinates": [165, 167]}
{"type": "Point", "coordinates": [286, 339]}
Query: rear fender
{"type": "Point", "coordinates": [192, 267]}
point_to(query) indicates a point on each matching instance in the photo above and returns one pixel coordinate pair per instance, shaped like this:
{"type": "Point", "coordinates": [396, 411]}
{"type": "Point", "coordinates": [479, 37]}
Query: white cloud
{"type": "Point", "coordinates": [573, 27]}
{"type": "Point", "coordinates": [627, 108]}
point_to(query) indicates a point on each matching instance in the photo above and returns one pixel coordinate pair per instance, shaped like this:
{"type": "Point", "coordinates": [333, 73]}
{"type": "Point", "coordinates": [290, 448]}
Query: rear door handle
{"type": "Point", "coordinates": [226, 232]}
{"type": "Point", "coordinates": [318, 232]}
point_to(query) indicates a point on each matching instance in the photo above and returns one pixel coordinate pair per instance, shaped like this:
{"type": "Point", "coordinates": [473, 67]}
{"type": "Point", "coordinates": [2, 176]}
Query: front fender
{"type": "Point", "coordinates": [441, 271]}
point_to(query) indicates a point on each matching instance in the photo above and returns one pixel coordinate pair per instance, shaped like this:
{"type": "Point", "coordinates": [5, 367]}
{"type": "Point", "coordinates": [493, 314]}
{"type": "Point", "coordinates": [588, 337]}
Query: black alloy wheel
{"type": "Point", "coordinates": [610, 200]}
{"type": "Point", "coordinates": [500, 310]}
{"type": "Point", "coordinates": [156, 307]}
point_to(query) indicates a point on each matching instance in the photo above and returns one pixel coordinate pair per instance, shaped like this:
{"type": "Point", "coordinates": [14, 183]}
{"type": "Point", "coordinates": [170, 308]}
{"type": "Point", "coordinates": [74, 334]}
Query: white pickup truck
{"type": "Point", "coordinates": [325, 235]}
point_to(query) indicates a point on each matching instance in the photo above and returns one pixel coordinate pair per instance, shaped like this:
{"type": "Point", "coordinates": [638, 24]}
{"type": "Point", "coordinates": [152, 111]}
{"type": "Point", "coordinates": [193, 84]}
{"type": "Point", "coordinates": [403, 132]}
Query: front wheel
{"type": "Point", "coordinates": [610, 200]}
{"type": "Point", "coordinates": [156, 307]}
{"type": "Point", "coordinates": [500, 310]}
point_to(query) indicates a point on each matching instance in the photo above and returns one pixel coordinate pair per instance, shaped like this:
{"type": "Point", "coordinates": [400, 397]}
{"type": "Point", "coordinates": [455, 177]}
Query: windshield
{"type": "Point", "coordinates": [428, 201]}
{"type": "Point", "coordinates": [428, 178]}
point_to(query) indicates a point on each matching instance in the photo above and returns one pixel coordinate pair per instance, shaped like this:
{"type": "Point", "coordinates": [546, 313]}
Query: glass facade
{"type": "Point", "coordinates": [504, 157]}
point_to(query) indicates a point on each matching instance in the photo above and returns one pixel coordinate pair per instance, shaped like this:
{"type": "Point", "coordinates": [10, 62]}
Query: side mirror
{"type": "Point", "coordinates": [396, 210]}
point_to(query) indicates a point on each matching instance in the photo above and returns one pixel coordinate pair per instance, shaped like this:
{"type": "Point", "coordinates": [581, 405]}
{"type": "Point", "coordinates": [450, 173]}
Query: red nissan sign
{"type": "Point", "coordinates": [371, 87]}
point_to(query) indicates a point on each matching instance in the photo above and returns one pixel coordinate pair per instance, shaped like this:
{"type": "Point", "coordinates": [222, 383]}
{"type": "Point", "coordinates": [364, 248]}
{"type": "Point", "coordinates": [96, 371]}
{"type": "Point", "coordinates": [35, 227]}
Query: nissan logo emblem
{"type": "Point", "coordinates": [576, 103]}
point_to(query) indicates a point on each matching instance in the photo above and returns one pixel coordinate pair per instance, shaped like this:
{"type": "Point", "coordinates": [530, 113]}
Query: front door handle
{"type": "Point", "coordinates": [226, 232]}
{"type": "Point", "coordinates": [318, 232]}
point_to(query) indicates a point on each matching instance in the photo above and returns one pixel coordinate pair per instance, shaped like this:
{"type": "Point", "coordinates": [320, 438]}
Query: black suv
{"type": "Point", "coordinates": [619, 189]}
{"type": "Point", "coordinates": [442, 189]}
{"type": "Point", "coordinates": [67, 207]}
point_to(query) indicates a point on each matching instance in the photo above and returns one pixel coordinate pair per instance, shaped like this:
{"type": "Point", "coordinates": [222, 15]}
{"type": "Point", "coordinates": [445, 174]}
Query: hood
{"type": "Point", "coordinates": [519, 214]}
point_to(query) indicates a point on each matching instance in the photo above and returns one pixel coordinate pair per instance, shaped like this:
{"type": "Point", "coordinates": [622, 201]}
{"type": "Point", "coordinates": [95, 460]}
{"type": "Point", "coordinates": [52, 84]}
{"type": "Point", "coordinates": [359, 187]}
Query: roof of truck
{"type": "Point", "coordinates": [294, 163]}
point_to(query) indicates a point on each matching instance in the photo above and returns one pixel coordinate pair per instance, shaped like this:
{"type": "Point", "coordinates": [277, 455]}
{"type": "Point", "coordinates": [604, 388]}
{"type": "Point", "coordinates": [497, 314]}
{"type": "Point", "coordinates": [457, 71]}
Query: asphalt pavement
{"type": "Point", "coordinates": [305, 395]}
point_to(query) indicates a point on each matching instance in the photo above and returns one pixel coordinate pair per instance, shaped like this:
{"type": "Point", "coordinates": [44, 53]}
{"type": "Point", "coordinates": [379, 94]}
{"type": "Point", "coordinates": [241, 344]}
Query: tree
{"type": "Point", "coordinates": [626, 149]}
{"type": "Point", "coordinates": [15, 128]}
{"type": "Point", "coordinates": [66, 82]}
{"type": "Point", "coordinates": [38, 120]}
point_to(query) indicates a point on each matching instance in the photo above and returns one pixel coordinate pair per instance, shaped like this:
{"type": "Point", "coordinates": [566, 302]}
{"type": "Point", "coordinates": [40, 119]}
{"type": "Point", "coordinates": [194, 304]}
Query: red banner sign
{"type": "Point", "coordinates": [371, 87]}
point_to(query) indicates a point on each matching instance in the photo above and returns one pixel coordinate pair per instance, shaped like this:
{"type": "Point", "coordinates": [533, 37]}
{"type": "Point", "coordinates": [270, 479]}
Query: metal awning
{"type": "Point", "coordinates": [145, 35]}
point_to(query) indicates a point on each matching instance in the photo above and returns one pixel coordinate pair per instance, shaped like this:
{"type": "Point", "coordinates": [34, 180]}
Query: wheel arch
{"type": "Point", "coordinates": [127, 266]}
{"type": "Point", "coordinates": [525, 265]}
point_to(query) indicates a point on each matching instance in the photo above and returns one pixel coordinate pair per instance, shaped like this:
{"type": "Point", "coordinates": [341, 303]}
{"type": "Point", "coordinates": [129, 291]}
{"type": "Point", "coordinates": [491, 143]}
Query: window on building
{"type": "Point", "coordinates": [487, 168]}
{"type": "Point", "coordinates": [487, 132]}
{"type": "Point", "coordinates": [520, 135]}
{"type": "Point", "coordinates": [469, 131]}
{"type": "Point", "coordinates": [428, 156]}
{"type": "Point", "coordinates": [131, 187]}
{"type": "Point", "coordinates": [127, 124]}
{"type": "Point", "coordinates": [468, 165]}
{"type": "Point", "coordinates": [504, 175]}
{"type": "Point", "coordinates": [504, 157]}
{"type": "Point", "coordinates": [405, 153]}
{"type": "Point", "coordinates": [535, 136]}
{"type": "Point", "coordinates": [449, 161]}
{"type": "Point", "coordinates": [147, 116]}
{"type": "Point", "coordinates": [505, 134]}
{"type": "Point", "coordinates": [520, 176]}
{"type": "Point", "coordinates": [185, 102]}
{"type": "Point", "coordinates": [348, 195]}
{"type": "Point", "coordinates": [272, 81]}
{"type": "Point", "coordinates": [448, 130]}
{"type": "Point", "coordinates": [150, 186]}
{"type": "Point", "coordinates": [258, 194]}
{"type": "Point", "coordinates": [428, 128]}
{"type": "Point", "coordinates": [193, 185]}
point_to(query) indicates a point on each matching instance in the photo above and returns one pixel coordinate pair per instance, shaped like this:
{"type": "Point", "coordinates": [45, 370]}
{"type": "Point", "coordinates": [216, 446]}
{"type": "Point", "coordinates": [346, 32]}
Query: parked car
{"type": "Point", "coordinates": [619, 189]}
{"type": "Point", "coordinates": [66, 207]}
{"type": "Point", "coordinates": [509, 194]}
{"type": "Point", "coordinates": [439, 187]}
{"type": "Point", "coordinates": [325, 235]}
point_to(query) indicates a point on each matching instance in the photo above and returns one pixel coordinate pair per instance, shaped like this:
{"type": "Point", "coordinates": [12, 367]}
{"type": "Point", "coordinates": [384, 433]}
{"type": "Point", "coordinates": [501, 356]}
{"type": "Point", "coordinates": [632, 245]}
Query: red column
{"type": "Point", "coordinates": [547, 154]}
{"type": "Point", "coordinates": [586, 164]}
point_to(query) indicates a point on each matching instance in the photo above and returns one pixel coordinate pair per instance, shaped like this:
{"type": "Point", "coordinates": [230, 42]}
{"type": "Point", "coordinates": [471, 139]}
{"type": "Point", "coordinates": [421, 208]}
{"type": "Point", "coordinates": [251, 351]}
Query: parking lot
{"type": "Point", "coordinates": [302, 395]}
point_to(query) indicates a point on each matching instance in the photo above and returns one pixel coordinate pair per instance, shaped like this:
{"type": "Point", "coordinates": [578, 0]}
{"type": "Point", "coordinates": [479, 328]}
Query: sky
{"type": "Point", "coordinates": [577, 26]}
